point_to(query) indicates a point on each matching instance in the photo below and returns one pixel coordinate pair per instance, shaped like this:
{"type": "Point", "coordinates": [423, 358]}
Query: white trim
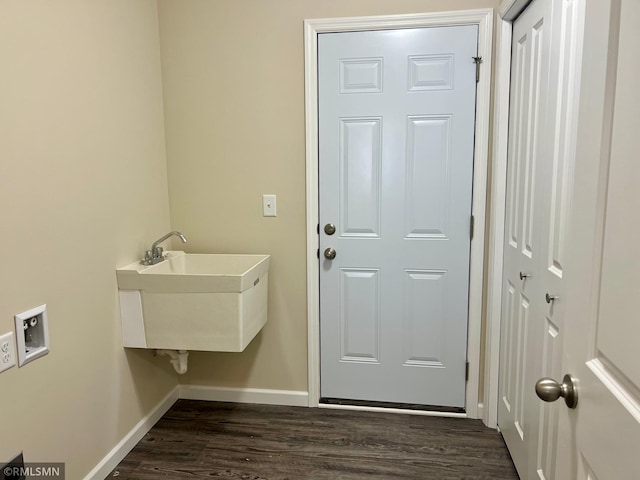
{"type": "Point", "coordinates": [477, 264]}
{"type": "Point", "coordinates": [192, 392]}
{"type": "Point", "coordinates": [497, 216]}
{"type": "Point", "coordinates": [484, 19]}
{"type": "Point", "coordinates": [131, 439]}
{"type": "Point", "coordinates": [510, 9]}
{"type": "Point", "coordinates": [245, 395]}
{"type": "Point", "coordinates": [403, 411]}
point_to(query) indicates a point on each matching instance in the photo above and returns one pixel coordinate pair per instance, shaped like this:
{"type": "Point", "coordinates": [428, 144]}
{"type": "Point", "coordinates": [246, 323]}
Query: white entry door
{"type": "Point", "coordinates": [600, 438]}
{"type": "Point", "coordinates": [396, 136]}
{"type": "Point", "coordinates": [541, 157]}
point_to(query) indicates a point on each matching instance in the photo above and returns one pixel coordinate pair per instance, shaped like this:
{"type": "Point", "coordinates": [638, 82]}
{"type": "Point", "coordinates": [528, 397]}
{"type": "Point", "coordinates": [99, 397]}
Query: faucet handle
{"type": "Point", "coordinates": [148, 258]}
{"type": "Point", "coordinates": [157, 253]}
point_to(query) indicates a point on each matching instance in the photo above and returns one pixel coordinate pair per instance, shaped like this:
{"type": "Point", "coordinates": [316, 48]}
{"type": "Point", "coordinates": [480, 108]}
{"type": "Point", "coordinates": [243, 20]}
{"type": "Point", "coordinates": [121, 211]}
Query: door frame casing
{"type": "Point", "coordinates": [483, 18]}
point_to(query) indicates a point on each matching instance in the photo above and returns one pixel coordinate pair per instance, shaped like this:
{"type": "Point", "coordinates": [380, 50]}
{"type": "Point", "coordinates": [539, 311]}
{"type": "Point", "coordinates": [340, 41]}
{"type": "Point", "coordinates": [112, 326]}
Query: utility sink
{"type": "Point", "coordinates": [208, 302]}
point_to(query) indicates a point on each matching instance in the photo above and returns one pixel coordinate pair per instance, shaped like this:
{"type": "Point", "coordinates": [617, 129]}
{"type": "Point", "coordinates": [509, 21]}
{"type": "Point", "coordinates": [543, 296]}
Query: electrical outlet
{"type": "Point", "coordinates": [7, 352]}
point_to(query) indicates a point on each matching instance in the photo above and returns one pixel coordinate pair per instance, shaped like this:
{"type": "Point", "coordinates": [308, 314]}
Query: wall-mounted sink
{"type": "Point", "coordinates": [209, 302]}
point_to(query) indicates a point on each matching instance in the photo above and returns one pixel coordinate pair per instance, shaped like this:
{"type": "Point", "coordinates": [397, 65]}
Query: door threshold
{"type": "Point", "coordinates": [392, 407]}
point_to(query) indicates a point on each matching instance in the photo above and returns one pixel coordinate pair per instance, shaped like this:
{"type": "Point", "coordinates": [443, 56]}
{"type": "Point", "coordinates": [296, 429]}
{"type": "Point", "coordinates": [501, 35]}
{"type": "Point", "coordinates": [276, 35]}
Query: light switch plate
{"type": "Point", "coordinates": [268, 205]}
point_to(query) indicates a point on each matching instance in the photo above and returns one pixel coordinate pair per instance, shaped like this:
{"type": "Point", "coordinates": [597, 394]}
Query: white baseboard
{"type": "Point", "coordinates": [192, 392]}
{"type": "Point", "coordinates": [293, 398]}
{"type": "Point", "coordinates": [480, 411]}
{"type": "Point", "coordinates": [131, 439]}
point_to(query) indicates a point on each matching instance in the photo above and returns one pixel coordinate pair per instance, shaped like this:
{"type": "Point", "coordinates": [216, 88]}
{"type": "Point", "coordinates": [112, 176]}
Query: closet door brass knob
{"type": "Point", "coordinates": [550, 298]}
{"type": "Point", "coordinates": [524, 275]}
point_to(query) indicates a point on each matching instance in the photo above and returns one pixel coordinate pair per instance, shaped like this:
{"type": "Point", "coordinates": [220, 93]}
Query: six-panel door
{"type": "Point", "coordinates": [396, 131]}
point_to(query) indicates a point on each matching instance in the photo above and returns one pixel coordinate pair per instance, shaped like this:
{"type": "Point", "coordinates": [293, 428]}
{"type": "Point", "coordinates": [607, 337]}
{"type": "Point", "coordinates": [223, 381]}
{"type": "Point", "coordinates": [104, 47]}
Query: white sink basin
{"type": "Point", "coordinates": [209, 302]}
{"type": "Point", "coordinates": [195, 273]}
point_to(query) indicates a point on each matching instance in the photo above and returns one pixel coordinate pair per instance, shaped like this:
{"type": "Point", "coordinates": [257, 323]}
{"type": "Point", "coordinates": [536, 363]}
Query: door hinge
{"type": "Point", "coordinates": [472, 224]}
{"type": "Point", "coordinates": [466, 372]}
{"type": "Point", "coordinates": [318, 253]}
{"type": "Point", "coordinates": [477, 61]}
{"type": "Point", "coordinates": [318, 229]}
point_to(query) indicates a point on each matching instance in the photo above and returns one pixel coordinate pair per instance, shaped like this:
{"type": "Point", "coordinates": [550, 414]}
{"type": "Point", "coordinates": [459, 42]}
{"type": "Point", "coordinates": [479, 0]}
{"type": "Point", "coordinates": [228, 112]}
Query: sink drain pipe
{"type": "Point", "coordinates": [178, 359]}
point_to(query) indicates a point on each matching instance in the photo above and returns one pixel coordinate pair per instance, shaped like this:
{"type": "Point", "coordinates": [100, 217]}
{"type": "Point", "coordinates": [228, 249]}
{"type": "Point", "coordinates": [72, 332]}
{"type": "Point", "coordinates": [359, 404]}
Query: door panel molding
{"type": "Point", "coordinates": [484, 19]}
{"type": "Point", "coordinates": [360, 150]}
{"type": "Point", "coordinates": [428, 186]}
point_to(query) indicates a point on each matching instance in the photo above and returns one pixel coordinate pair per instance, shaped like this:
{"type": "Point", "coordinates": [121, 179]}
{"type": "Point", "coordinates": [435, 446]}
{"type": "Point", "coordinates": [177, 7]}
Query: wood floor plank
{"type": "Point", "coordinates": [264, 442]}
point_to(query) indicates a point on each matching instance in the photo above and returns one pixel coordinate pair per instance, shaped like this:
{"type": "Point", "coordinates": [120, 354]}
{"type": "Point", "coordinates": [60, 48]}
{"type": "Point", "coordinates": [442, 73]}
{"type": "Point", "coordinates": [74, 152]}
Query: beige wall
{"type": "Point", "coordinates": [233, 79]}
{"type": "Point", "coordinates": [82, 190]}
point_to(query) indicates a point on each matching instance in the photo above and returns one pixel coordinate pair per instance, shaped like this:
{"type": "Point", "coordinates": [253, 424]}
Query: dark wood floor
{"type": "Point", "coordinates": [262, 442]}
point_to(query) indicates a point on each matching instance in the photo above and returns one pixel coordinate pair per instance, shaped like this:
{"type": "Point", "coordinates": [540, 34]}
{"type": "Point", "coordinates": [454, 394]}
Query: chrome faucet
{"type": "Point", "coordinates": [155, 255]}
